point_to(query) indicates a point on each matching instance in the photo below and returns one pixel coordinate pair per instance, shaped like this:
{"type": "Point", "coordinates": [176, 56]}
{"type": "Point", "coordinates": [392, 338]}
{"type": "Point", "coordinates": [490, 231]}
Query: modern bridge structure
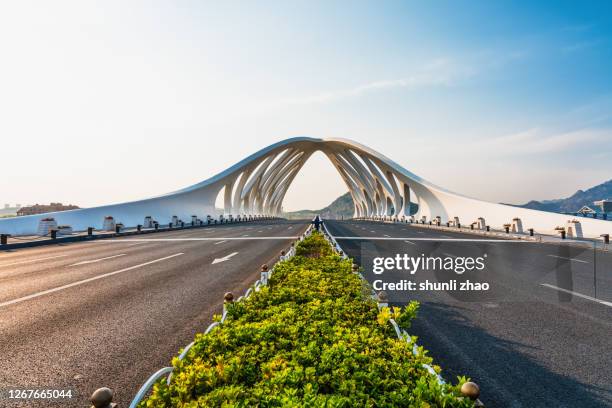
{"type": "Point", "coordinates": [257, 185]}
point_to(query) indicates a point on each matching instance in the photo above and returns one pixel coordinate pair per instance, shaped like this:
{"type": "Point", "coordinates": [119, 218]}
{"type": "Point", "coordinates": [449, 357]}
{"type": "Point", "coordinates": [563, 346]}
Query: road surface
{"type": "Point", "coordinates": [537, 338]}
{"type": "Point", "coordinates": [112, 312]}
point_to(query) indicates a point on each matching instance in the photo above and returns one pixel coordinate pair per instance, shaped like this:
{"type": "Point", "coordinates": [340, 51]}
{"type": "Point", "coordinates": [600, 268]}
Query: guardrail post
{"type": "Point", "coordinates": [170, 225]}
{"type": "Point", "coordinates": [102, 398]}
{"type": "Point", "coordinates": [382, 298]}
{"type": "Point", "coordinates": [530, 232]}
{"type": "Point", "coordinates": [562, 232]}
{"type": "Point", "coordinates": [139, 228]}
{"type": "Point", "coordinates": [488, 228]}
{"type": "Point", "coordinates": [507, 227]}
{"type": "Point", "coordinates": [89, 231]}
{"type": "Point", "coordinates": [264, 274]}
{"type": "Point", "coordinates": [227, 298]}
{"type": "Point", "coordinates": [156, 225]}
{"type": "Point", "coordinates": [606, 238]}
{"type": "Point", "coordinates": [53, 234]}
{"type": "Point", "coordinates": [4, 239]}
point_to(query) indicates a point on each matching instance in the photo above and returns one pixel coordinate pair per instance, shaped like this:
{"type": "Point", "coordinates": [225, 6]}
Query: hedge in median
{"type": "Point", "coordinates": [312, 337]}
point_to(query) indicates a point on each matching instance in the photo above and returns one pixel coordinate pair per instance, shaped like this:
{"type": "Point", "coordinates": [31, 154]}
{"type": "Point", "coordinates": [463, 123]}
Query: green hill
{"type": "Point", "coordinates": [341, 207]}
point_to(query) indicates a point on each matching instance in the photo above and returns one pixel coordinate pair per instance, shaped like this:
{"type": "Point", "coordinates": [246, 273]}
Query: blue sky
{"type": "Point", "coordinates": [505, 101]}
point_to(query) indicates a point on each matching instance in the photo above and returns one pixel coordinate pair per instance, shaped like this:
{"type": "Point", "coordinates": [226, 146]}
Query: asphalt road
{"type": "Point", "coordinates": [112, 312]}
{"type": "Point", "coordinates": [536, 338]}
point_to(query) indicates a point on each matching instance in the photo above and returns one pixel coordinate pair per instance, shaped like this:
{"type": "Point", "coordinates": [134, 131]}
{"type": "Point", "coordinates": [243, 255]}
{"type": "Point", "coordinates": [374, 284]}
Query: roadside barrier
{"type": "Point", "coordinates": [52, 236]}
{"type": "Point", "coordinates": [103, 397]}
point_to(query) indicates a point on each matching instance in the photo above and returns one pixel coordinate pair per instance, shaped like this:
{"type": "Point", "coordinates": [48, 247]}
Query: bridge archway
{"type": "Point", "coordinates": [258, 184]}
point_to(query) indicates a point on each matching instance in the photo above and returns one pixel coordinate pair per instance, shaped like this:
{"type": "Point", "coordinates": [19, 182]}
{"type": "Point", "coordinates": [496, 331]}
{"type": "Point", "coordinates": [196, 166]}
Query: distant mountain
{"type": "Point", "coordinates": [576, 201]}
{"type": "Point", "coordinates": [341, 207]}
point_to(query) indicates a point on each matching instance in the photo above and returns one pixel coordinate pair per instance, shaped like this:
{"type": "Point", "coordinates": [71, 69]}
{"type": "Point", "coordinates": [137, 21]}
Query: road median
{"type": "Point", "coordinates": [312, 336]}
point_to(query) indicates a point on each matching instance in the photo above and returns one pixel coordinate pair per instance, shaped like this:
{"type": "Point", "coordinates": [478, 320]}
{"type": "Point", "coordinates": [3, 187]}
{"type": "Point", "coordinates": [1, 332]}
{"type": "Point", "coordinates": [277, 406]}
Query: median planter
{"type": "Point", "coordinates": [311, 337]}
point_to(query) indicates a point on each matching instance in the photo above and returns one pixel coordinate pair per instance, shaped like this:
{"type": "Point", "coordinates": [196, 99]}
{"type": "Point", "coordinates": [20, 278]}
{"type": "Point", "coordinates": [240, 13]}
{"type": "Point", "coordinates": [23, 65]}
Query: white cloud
{"type": "Point", "coordinates": [441, 72]}
{"type": "Point", "coordinates": [537, 141]}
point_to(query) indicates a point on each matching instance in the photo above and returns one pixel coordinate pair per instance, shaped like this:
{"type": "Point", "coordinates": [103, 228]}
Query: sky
{"type": "Point", "coordinates": [104, 102]}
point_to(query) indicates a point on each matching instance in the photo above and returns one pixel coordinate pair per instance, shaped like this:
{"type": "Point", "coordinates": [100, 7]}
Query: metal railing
{"type": "Point", "coordinates": [53, 236]}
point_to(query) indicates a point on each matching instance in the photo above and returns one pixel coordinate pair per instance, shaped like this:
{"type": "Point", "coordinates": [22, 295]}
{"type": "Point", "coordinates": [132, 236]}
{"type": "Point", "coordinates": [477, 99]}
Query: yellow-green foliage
{"type": "Point", "coordinates": [311, 338]}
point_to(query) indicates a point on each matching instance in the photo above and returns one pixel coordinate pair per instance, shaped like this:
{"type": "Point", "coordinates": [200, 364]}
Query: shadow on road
{"type": "Point", "coordinates": [512, 378]}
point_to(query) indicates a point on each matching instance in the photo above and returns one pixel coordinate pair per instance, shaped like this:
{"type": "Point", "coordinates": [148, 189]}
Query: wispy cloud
{"type": "Point", "coordinates": [442, 72]}
{"type": "Point", "coordinates": [537, 141]}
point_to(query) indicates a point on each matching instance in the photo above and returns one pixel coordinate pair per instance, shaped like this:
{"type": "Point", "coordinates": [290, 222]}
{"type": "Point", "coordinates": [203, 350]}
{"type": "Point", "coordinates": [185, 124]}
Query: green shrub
{"type": "Point", "coordinates": [311, 338]}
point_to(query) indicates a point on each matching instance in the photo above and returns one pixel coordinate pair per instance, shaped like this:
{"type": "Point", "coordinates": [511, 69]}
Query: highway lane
{"type": "Point", "coordinates": [111, 312]}
{"type": "Point", "coordinates": [526, 344]}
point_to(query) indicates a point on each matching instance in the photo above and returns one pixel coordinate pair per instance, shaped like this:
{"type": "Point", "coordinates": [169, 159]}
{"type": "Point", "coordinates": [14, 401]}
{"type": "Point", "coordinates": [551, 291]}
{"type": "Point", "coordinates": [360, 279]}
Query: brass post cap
{"type": "Point", "coordinates": [102, 398]}
{"type": "Point", "coordinates": [264, 268]}
{"type": "Point", "coordinates": [470, 390]}
{"type": "Point", "coordinates": [228, 297]}
{"type": "Point", "coordinates": [355, 267]}
{"type": "Point", "coordinates": [382, 296]}
{"type": "Point", "coordinates": [282, 253]}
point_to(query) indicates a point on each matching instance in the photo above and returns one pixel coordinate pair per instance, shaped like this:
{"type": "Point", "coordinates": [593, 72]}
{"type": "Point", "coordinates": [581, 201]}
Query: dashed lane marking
{"type": "Point", "coordinates": [33, 260]}
{"type": "Point", "coordinates": [568, 259]}
{"type": "Point", "coordinates": [580, 295]}
{"type": "Point", "coordinates": [81, 282]}
{"type": "Point", "coordinates": [97, 260]}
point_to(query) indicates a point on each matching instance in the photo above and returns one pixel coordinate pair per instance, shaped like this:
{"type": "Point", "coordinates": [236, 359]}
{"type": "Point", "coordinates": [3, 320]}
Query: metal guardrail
{"type": "Point", "coordinates": [52, 237]}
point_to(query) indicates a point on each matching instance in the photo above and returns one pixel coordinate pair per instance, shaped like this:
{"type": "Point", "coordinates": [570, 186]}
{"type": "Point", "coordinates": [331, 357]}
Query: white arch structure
{"type": "Point", "coordinates": [258, 184]}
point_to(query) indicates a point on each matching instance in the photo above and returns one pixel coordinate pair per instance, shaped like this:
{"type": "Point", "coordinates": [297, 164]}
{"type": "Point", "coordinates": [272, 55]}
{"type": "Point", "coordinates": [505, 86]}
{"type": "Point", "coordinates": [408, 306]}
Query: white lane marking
{"type": "Point", "coordinates": [96, 260]}
{"type": "Point", "coordinates": [137, 243]}
{"type": "Point", "coordinates": [225, 258]}
{"type": "Point", "coordinates": [420, 232]}
{"type": "Point", "coordinates": [388, 236]}
{"type": "Point", "coordinates": [445, 236]}
{"type": "Point", "coordinates": [244, 237]}
{"type": "Point", "coordinates": [220, 242]}
{"type": "Point", "coordinates": [410, 242]}
{"type": "Point", "coordinates": [449, 255]}
{"type": "Point", "coordinates": [568, 259]}
{"type": "Point", "coordinates": [603, 302]}
{"type": "Point", "coordinates": [373, 232]}
{"type": "Point", "coordinates": [70, 285]}
{"type": "Point", "coordinates": [33, 260]}
{"type": "Point", "coordinates": [260, 231]}
{"type": "Point", "coordinates": [289, 227]}
{"type": "Point", "coordinates": [436, 239]}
